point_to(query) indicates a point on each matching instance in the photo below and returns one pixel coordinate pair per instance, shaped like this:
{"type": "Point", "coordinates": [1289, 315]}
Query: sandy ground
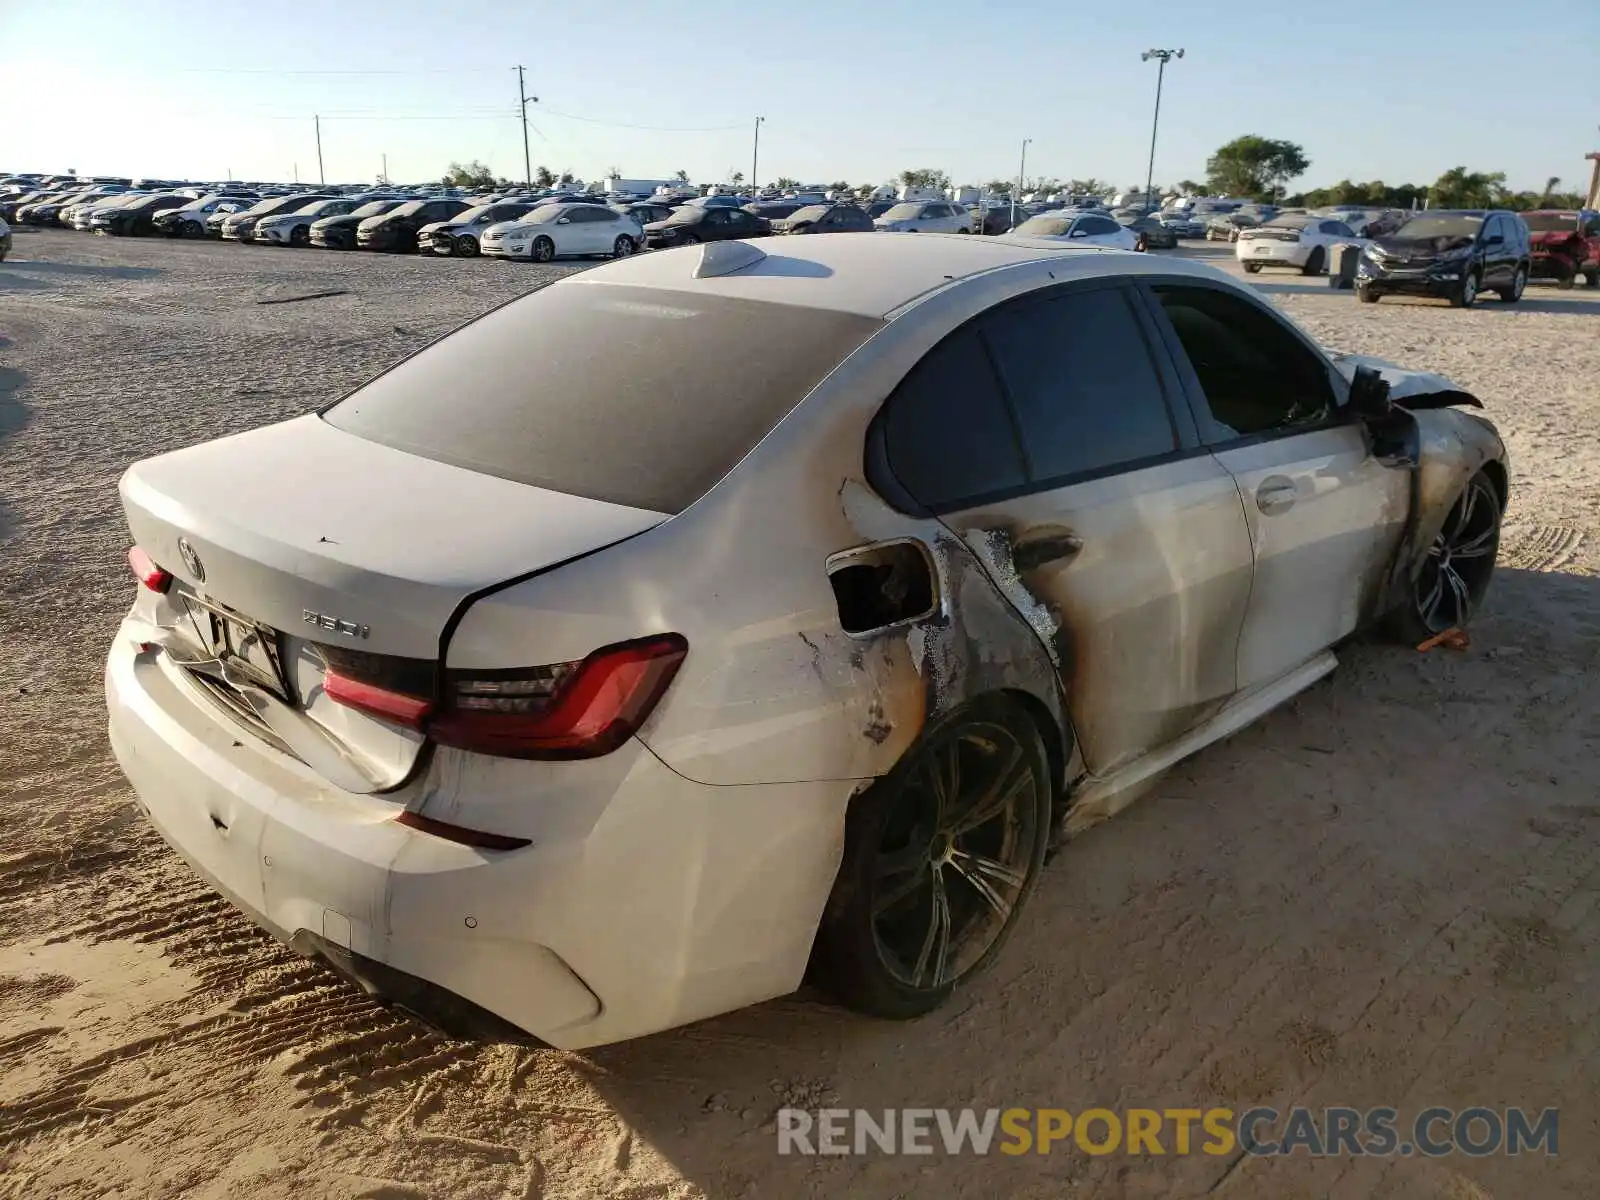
{"type": "Point", "coordinates": [1385, 893]}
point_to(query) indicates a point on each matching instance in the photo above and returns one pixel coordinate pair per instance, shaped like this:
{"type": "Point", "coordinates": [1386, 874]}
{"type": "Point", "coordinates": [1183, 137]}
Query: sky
{"type": "Point", "coordinates": [1399, 91]}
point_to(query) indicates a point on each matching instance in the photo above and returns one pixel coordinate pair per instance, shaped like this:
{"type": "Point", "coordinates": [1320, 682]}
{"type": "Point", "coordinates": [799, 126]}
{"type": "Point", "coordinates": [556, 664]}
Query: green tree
{"type": "Point", "coordinates": [473, 175]}
{"type": "Point", "coordinates": [1461, 188]}
{"type": "Point", "coordinates": [1189, 187]}
{"type": "Point", "coordinates": [566, 178]}
{"type": "Point", "coordinates": [839, 185]}
{"type": "Point", "coordinates": [784, 181]}
{"type": "Point", "coordinates": [1254, 166]}
{"type": "Point", "coordinates": [543, 177]}
{"type": "Point", "coordinates": [999, 186]}
{"type": "Point", "coordinates": [736, 178]}
{"type": "Point", "coordinates": [682, 176]}
{"type": "Point", "coordinates": [924, 177]}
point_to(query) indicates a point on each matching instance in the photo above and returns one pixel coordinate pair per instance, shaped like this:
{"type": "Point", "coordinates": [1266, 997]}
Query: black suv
{"type": "Point", "coordinates": [1455, 254]}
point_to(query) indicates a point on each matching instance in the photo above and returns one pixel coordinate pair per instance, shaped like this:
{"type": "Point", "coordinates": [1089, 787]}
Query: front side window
{"type": "Point", "coordinates": [1078, 370]}
{"type": "Point", "coordinates": [1257, 377]}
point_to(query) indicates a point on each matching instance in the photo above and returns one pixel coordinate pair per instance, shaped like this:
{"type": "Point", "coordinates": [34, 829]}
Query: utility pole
{"type": "Point", "coordinates": [385, 170]}
{"type": "Point", "coordinates": [522, 108]}
{"type": "Point", "coordinates": [1162, 57]}
{"type": "Point", "coordinates": [1022, 169]}
{"type": "Point", "coordinates": [755, 157]}
{"type": "Point", "coordinates": [322, 179]}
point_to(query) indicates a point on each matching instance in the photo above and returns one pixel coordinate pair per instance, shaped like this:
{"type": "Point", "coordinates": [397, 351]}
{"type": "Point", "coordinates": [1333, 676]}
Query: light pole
{"type": "Point", "coordinates": [523, 100]}
{"type": "Point", "coordinates": [1162, 57]}
{"type": "Point", "coordinates": [1022, 169]}
{"type": "Point", "coordinates": [755, 157]}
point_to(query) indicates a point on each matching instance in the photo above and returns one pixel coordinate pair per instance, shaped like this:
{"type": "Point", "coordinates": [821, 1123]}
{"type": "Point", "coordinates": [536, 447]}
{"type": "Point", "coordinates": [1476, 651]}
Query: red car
{"type": "Point", "coordinates": [1566, 244]}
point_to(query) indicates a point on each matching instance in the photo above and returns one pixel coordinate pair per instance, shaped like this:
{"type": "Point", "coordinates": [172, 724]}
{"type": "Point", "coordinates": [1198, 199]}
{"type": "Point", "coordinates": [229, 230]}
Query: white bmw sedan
{"type": "Point", "coordinates": [718, 614]}
{"type": "Point", "coordinates": [565, 230]}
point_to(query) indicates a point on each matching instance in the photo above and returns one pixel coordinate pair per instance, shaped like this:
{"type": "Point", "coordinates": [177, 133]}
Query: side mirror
{"type": "Point", "coordinates": [1077, 233]}
{"type": "Point", "coordinates": [1369, 396]}
{"type": "Point", "coordinates": [563, 220]}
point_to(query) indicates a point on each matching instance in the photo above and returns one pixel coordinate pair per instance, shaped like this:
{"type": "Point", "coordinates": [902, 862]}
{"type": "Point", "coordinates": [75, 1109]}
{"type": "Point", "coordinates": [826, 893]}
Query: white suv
{"type": "Point", "coordinates": [925, 216]}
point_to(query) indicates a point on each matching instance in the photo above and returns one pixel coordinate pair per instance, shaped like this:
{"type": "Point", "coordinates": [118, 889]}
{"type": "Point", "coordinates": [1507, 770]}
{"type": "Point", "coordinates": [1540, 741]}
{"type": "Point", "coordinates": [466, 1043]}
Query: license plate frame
{"type": "Point", "coordinates": [253, 649]}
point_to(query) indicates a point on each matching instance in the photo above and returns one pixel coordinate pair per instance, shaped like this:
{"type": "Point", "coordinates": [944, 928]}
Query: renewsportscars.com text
{"type": "Point", "coordinates": [1432, 1132]}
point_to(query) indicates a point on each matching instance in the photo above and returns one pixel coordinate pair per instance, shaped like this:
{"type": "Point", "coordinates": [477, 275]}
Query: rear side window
{"type": "Point", "coordinates": [637, 396]}
{"type": "Point", "coordinates": [947, 434]}
{"type": "Point", "coordinates": [1258, 378]}
{"type": "Point", "coordinates": [1086, 392]}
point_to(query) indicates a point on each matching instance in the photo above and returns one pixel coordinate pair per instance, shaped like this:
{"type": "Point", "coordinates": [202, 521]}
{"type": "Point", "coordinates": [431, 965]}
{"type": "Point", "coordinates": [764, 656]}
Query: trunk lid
{"type": "Point", "coordinates": [298, 542]}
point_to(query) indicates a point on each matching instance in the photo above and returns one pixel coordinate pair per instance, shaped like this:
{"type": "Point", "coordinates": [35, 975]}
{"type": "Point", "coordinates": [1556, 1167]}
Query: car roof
{"type": "Point", "coordinates": [873, 275]}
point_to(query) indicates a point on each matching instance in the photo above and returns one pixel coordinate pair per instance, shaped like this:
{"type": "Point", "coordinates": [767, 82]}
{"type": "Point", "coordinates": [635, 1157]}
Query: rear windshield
{"type": "Point", "coordinates": [635, 396]}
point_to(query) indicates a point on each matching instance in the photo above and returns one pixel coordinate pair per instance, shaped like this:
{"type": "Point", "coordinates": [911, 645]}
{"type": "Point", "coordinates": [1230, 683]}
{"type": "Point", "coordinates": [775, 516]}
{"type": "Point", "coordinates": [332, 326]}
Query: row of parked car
{"type": "Point", "coordinates": [538, 227]}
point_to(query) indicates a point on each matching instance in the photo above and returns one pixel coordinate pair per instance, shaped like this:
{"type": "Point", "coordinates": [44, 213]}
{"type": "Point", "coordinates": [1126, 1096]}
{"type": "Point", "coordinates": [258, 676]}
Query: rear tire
{"type": "Point", "coordinates": [623, 247]}
{"type": "Point", "coordinates": [1315, 262]}
{"type": "Point", "coordinates": [940, 857]}
{"type": "Point", "coordinates": [1592, 278]}
{"type": "Point", "coordinates": [1456, 574]}
{"type": "Point", "coordinates": [1519, 284]}
{"type": "Point", "coordinates": [1251, 268]}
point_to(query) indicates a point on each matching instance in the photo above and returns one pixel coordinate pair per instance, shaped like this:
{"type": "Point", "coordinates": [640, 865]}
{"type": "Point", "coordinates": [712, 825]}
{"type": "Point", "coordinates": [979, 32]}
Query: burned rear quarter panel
{"type": "Point", "coordinates": [773, 690]}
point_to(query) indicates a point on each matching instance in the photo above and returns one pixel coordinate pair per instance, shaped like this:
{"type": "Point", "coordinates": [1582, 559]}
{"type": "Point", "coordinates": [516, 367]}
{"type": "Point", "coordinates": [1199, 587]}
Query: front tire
{"type": "Point", "coordinates": [300, 236]}
{"type": "Point", "coordinates": [1592, 278]}
{"type": "Point", "coordinates": [543, 250]}
{"type": "Point", "coordinates": [1367, 295]}
{"type": "Point", "coordinates": [1456, 573]}
{"type": "Point", "coordinates": [940, 856]}
{"type": "Point", "coordinates": [1315, 262]}
{"type": "Point", "coordinates": [465, 246]}
{"type": "Point", "coordinates": [1251, 268]}
{"type": "Point", "coordinates": [1467, 294]}
{"type": "Point", "coordinates": [1519, 284]}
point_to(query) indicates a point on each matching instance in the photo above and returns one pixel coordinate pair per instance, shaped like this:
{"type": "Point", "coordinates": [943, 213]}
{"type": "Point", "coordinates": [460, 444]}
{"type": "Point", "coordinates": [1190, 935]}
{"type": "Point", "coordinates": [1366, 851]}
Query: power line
{"type": "Point", "coordinates": [647, 128]}
{"type": "Point", "coordinates": [291, 71]}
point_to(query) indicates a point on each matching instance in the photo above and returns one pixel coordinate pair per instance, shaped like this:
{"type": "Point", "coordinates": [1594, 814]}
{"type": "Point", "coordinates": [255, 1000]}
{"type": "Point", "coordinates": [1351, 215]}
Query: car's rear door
{"type": "Point", "coordinates": [1325, 514]}
{"type": "Point", "coordinates": [1051, 434]}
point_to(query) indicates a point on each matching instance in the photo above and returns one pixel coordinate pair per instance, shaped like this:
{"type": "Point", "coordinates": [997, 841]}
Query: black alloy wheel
{"type": "Point", "coordinates": [1455, 575]}
{"type": "Point", "coordinates": [940, 857]}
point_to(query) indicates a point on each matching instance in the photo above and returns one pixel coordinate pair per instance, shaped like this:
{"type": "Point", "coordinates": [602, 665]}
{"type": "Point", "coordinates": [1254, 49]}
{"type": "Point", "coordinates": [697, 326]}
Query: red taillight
{"type": "Point", "coordinates": [146, 572]}
{"type": "Point", "coordinates": [577, 709]}
{"type": "Point", "coordinates": [569, 710]}
{"type": "Point", "coordinates": [399, 707]}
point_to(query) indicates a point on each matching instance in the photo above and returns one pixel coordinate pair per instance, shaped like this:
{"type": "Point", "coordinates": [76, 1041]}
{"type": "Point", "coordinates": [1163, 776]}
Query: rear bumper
{"type": "Point", "coordinates": [644, 901]}
{"type": "Point", "coordinates": [1273, 254]}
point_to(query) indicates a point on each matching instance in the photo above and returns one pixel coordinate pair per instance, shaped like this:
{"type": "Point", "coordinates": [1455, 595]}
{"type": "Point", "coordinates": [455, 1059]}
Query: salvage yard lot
{"type": "Point", "coordinates": [1386, 893]}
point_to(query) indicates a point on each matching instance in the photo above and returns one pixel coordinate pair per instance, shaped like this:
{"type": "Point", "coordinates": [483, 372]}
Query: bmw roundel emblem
{"type": "Point", "coordinates": [191, 560]}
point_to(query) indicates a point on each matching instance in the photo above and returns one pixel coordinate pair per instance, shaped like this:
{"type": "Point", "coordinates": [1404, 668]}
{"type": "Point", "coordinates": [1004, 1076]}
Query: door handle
{"type": "Point", "coordinates": [1275, 495]}
{"type": "Point", "coordinates": [1031, 555]}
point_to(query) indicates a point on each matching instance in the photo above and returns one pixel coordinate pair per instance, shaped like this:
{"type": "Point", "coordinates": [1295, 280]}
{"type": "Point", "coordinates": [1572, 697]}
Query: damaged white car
{"type": "Point", "coordinates": [620, 675]}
